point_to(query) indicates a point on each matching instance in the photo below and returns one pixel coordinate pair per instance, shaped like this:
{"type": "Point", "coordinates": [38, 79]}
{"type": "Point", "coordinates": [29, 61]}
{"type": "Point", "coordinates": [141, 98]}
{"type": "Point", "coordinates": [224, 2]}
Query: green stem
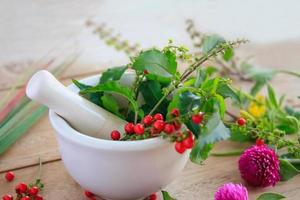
{"type": "Point", "coordinates": [228, 153]}
{"type": "Point", "coordinates": [293, 161]}
{"type": "Point", "coordinates": [40, 168]}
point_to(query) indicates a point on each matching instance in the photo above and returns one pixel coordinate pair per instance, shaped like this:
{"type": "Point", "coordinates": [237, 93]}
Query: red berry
{"type": "Point", "coordinates": [177, 125]}
{"type": "Point", "coordinates": [25, 198]}
{"type": "Point", "coordinates": [7, 197]}
{"type": "Point", "coordinates": [38, 197]}
{"type": "Point", "coordinates": [152, 197]}
{"type": "Point", "coordinates": [197, 118]}
{"type": "Point", "coordinates": [88, 193]}
{"type": "Point", "coordinates": [241, 121]}
{"type": "Point", "coordinates": [129, 128]}
{"type": "Point", "coordinates": [115, 135]}
{"type": "Point", "coordinates": [21, 188]}
{"type": "Point", "coordinates": [9, 176]}
{"type": "Point", "coordinates": [148, 120]}
{"type": "Point", "coordinates": [158, 116]}
{"type": "Point", "coordinates": [169, 128]}
{"type": "Point", "coordinates": [175, 112]}
{"type": "Point", "coordinates": [33, 191]}
{"type": "Point", "coordinates": [159, 125]}
{"type": "Point", "coordinates": [188, 142]}
{"type": "Point", "coordinates": [260, 142]}
{"type": "Point", "coordinates": [139, 129]}
{"type": "Point", "coordinates": [146, 72]}
{"type": "Point", "coordinates": [179, 147]}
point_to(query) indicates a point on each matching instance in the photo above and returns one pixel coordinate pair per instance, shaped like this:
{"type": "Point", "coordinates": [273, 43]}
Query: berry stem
{"type": "Point", "coordinates": [40, 169]}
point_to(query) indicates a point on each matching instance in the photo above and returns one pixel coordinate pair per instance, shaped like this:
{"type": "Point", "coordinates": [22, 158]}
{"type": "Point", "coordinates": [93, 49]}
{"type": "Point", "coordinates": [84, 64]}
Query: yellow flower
{"type": "Point", "coordinates": [257, 108]}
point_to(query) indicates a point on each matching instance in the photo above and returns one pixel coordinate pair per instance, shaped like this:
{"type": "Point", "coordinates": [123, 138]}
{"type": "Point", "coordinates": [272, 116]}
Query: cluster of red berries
{"type": "Point", "coordinates": [23, 191]}
{"type": "Point", "coordinates": [151, 126]}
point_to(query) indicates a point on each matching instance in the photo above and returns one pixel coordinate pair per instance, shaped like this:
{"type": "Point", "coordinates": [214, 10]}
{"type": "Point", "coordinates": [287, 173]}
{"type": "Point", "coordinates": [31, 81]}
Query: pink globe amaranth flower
{"type": "Point", "coordinates": [259, 166]}
{"type": "Point", "coordinates": [231, 191]}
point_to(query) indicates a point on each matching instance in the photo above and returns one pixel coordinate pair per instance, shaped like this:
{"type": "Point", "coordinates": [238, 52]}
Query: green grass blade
{"type": "Point", "coordinates": [21, 128]}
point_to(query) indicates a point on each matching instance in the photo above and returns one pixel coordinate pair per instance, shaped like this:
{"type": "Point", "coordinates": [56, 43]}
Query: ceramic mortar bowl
{"type": "Point", "coordinates": [116, 170]}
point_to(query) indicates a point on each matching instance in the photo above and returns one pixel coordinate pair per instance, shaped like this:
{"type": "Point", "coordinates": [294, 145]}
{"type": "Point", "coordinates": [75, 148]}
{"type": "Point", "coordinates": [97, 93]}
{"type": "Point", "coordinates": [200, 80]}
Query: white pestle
{"type": "Point", "coordinates": [83, 115]}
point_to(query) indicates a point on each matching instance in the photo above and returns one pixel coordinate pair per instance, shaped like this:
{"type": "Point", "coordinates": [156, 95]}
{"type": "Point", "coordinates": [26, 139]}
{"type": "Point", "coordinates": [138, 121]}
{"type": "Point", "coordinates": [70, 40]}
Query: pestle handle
{"type": "Point", "coordinates": [81, 114]}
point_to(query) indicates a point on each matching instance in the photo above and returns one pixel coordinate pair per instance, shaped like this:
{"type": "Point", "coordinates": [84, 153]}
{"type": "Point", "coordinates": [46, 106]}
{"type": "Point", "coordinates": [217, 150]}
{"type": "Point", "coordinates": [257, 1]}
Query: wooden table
{"type": "Point", "coordinates": [195, 183]}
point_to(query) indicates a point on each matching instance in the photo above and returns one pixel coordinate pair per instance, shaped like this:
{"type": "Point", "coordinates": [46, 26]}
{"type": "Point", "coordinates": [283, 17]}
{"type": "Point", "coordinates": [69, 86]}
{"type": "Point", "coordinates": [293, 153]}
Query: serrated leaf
{"type": "Point", "coordinates": [287, 170]}
{"type": "Point", "coordinates": [156, 63]}
{"type": "Point", "coordinates": [200, 153]}
{"type": "Point", "coordinates": [166, 195]}
{"type": "Point", "coordinates": [210, 42]}
{"type": "Point", "coordinates": [112, 74]}
{"type": "Point", "coordinates": [213, 132]}
{"type": "Point", "coordinates": [270, 196]}
{"type": "Point", "coordinates": [115, 88]}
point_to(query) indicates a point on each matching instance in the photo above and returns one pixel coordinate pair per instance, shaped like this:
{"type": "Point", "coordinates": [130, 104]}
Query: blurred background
{"type": "Point", "coordinates": [39, 30]}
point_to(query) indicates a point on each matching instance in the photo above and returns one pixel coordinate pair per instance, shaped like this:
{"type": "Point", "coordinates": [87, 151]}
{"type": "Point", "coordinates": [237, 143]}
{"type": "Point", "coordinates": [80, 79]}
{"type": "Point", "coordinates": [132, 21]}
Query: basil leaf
{"type": "Point", "coordinates": [95, 97]}
{"type": "Point", "coordinates": [116, 88]}
{"type": "Point", "coordinates": [156, 63]}
{"type": "Point", "coordinates": [112, 74]}
{"type": "Point", "coordinates": [227, 92]}
{"type": "Point", "coordinates": [228, 54]}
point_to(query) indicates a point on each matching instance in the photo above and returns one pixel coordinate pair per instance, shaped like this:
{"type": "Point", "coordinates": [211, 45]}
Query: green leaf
{"type": "Point", "coordinates": [237, 135]}
{"type": "Point", "coordinates": [287, 170]}
{"type": "Point", "coordinates": [272, 97]}
{"type": "Point", "coordinates": [228, 92]}
{"type": "Point", "coordinates": [213, 132]}
{"type": "Point", "coordinates": [258, 73]}
{"type": "Point", "coordinates": [156, 63]}
{"type": "Point", "coordinates": [270, 196]}
{"type": "Point", "coordinates": [211, 85]}
{"type": "Point", "coordinates": [94, 97]}
{"type": "Point", "coordinates": [210, 42]}
{"type": "Point", "coordinates": [113, 74]}
{"type": "Point", "coordinates": [166, 195]}
{"type": "Point", "coordinates": [257, 87]}
{"type": "Point", "coordinates": [115, 88]}
{"type": "Point", "coordinates": [111, 104]}
{"type": "Point", "coordinates": [221, 105]}
{"type": "Point", "coordinates": [200, 77]}
{"type": "Point", "coordinates": [200, 152]}
{"type": "Point", "coordinates": [228, 54]}
{"type": "Point", "coordinates": [152, 93]}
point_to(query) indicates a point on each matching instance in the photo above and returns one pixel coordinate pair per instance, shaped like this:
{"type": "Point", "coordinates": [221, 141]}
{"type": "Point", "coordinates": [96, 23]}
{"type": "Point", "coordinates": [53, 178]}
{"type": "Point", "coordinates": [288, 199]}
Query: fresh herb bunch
{"type": "Point", "coordinates": [163, 88]}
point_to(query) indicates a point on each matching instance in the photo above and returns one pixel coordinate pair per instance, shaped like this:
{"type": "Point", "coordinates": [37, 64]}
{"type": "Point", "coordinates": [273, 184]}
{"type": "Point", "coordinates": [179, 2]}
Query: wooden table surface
{"type": "Point", "coordinates": [19, 52]}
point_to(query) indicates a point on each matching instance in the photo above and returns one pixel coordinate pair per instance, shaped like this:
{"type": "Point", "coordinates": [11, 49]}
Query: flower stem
{"type": "Point", "coordinates": [293, 161]}
{"type": "Point", "coordinates": [228, 153]}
